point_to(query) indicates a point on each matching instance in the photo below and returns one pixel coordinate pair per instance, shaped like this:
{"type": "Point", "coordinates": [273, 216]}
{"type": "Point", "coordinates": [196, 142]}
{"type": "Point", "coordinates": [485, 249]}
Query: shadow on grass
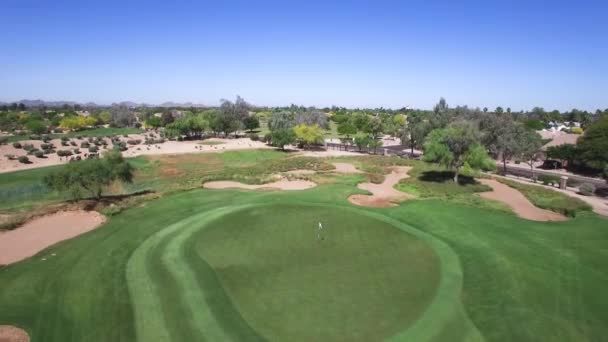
{"type": "Point", "coordinates": [445, 176]}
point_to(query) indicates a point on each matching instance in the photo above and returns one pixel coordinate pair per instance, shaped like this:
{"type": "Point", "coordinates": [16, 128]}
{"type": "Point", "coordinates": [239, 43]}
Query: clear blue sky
{"type": "Point", "coordinates": [349, 53]}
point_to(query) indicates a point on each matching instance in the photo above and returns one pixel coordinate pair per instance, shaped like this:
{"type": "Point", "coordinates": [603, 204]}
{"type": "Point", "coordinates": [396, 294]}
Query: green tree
{"type": "Point", "coordinates": [375, 144]}
{"type": "Point", "coordinates": [593, 145]}
{"type": "Point", "coordinates": [90, 177]}
{"type": "Point", "coordinates": [362, 140]}
{"type": "Point", "coordinates": [281, 121]}
{"type": "Point", "coordinates": [251, 122]}
{"type": "Point", "coordinates": [530, 145]}
{"type": "Point", "coordinates": [36, 126]}
{"type": "Point", "coordinates": [309, 134]}
{"type": "Point", "coordinates": [281, 137]}
{"type": "Point", "coordinates": [154, 122]}
{"type": "Point", "coordinates": [414, 132]}
{"type": "Point", "coordinates": [455, 146]}
{"type": "Point", "coordinates": [347, 128]}
{"type": "Point", "coordinates": [564, 153]}
{"type": "Point", "coordinates": [499, 110]}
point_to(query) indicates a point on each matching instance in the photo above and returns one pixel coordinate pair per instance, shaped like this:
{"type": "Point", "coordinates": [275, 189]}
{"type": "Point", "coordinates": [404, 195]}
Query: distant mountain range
{"type": "Point", "coordinates": [38, 103]}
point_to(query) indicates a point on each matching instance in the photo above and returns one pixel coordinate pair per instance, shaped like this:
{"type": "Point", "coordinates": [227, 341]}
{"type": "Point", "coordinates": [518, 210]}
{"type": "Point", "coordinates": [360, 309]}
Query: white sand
{"type": "Point", "coordinates": [384, 194]}
{"type": "Point", "coordinates": [283, 184]}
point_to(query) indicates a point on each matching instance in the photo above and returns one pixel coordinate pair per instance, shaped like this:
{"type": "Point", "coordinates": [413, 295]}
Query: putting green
{"type": "Point", "coordinates": [262, 273]}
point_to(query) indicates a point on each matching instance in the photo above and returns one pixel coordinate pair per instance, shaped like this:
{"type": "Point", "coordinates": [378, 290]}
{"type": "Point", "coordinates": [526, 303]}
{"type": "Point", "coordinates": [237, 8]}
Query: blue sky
{"type": "Point", "coordinates": [516, 54]}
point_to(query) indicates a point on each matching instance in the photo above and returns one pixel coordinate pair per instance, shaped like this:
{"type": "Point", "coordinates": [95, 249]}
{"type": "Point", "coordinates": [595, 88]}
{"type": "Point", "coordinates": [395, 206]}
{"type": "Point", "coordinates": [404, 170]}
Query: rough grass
{"type": "Point", "coordinates": [549, 199]}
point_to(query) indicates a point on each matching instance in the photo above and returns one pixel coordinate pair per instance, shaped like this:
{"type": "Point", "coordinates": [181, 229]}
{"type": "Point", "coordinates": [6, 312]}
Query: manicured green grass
{"type": "Point", "coordinates": [96, 132]}
{"type": "Point", "coordinates": [521, 280]}
{"type": "Point", "coordinates": [549, 199]}
{"type": "Point", "coordinates": [244, 265]}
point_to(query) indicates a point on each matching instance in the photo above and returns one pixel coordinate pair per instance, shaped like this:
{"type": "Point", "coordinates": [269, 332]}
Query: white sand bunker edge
{"type": "Point", "coordinates": [384, 194]}
{"type": "Point", "coordinates": [9, 333]}
{"type": "Point", "coordinates": [518, 202]}
{"type": "Point", "coordinates": [45, 231]}
{"type": "Point", "coordinates": [283, 184]}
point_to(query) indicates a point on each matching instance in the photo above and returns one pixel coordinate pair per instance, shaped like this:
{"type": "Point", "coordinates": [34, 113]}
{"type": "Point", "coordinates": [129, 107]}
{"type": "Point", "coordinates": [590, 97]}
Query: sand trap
{"type": "Point", "coordinates": [518, 202]}
{"type": "Point", "coordinates": [346, 168]}
{"type": "Point", "coordinates": [283, 184]}
{"type": "Point", "coordinates": [9, 333]}
{"type": "Point", "coordinates": [301, 172]}
{"type": "Point", "coordinates": [42, 232]}
{"type": "Point", "coordinates": [383, 195]}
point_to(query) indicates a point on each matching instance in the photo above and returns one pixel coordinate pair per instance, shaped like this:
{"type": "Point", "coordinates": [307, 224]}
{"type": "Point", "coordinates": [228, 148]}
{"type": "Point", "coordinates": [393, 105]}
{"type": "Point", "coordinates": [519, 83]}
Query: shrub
{"type": "Point", "coordinates": [10, 156]}
{"type": "Point", "coordinates": [76, 151]}
{"type": "Point", "coordinates": [576, 130]}
{"type": "Point", "coordinates": [3, 140]}
{"type": "Point", "coordinates": [17, 144]}
{"type": "Point", "coordinates": [134, 142]}
{"type": "Point", "coordinates": [39, 154]}
{"type": "Point", "coordinates": [32, 151]}
{"type": "Point", "coordinates": [548, 179]}
{"type": "Point", "coordinates": [34, 137]}
{"type": "Point", "coordinates": [267, 137]}
{"type": "Point", "coordinates": [46, 146]}
{"type": "Point", "coordinates": [48, 151]}
{"type": "Point", "coordinates": [254, 137]}
{"type": "Point", "coordinates": [90, 139]}
{"type": "Point", "coordinates": [45, 138]}
{"type": "Point", "coordinates": [73, 143]}
{"type": "Point", "coordinates": [28, 147]}
{"type": "Point", "coordinates": [93, 149]}
{"type": "Point", "coordinates": [587, 189]}
{"type": "Point", "coordinates": [64, 143]}
{"type": "Point", "coordinates": [84, 144]}
{"type": "Point", "coordinates": [64, 153]}
{"type": "Point", "coordinates": [24, 160]}
{"type": "Point", "coordinates": [79, 137]}
{"type": "Point", "coordinates": [65, 139]}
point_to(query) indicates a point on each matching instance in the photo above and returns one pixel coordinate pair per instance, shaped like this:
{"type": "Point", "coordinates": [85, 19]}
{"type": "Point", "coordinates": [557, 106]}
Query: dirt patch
{"type": "Point", "coordinates": [384, 194]}
{"type": "Point", "coordinates": [346, 168]}
{"type": "Point", "coordinates": [283, 184]}
{"type": "Point", "coordinates": [45, 231]}
{"type": "Point", "coordinates": [518, 202]}
{"type": "Point", "coordinates": [9, 333]}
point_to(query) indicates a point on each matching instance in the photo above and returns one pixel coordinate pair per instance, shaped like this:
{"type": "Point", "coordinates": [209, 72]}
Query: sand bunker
{"type": "Point", "coordinates": [9, 333]}
{"type": "Point", "coordinates": [301, 172]}
{"type": "Point", "coordinates": [346, 168]}
{"type": "Point", "coordinates": [42, 232]}
{"type": "Point", "coordinates": [518, 202]}
{"type": "Point", "coordinates": [283, 184]}
{"type": "Point", "coordinates": [383, 195]}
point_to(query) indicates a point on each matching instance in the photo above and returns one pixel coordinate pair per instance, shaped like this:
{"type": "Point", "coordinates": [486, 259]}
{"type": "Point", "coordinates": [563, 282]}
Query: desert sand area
{"type": "Point", "coordinates": [45, 231]}
{"type": "Point", "coordinates": [168, 147]}
{"type": "Point", "coordinates": [518, 202]}
{"type": "Point", "coordinates": [283, 184]}
{"type": "Point", "coordinates": [383, 194]}
{"type": "Point", "coordinates": [13, 334]}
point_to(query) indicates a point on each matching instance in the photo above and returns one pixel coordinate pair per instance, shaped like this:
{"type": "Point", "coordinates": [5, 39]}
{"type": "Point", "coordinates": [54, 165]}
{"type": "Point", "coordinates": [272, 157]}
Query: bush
{"type": "Point", "coordinates": [24, 160]}
{"type": "Point", "coordinates": [267, 137]}
{"type": "Point", "coordinates": [10, 156]}
{"type": "Point", "coordinates": [93, 149]}
{"type": "Point", "coordinates": [576, 130]}
{"type": "Point", "coordinates": [48, 151]}
{"type": "Point", "coordinates": [17, 144]}
{"type": "Point", "coordinates": [32, 151]}
{"type": "Point", "coordinates": [84, 144]}
{"type": "Point", "coordinates": [28, 147]}
{"type": "Point", "coordinates": [65, 139]}
{"type": "Point", "coordinates": [39, 154]}
{"type": "Point", "coordinates": [64, 143]}
{"type": "Point", "coordinates": [34, 137]}
{"type": "Point", "coordinates": [548, 179]}
{"type": "Point", "coordinates": [76, 151]}
{"type": "Point", "coordinates": [254, 137]}
{"type": "Point", "coordinates": [134, 142]}
{"type": "Point", "coordinates": [73, 143]}
{"type": "Point", "coordinates": [46, 146]}
{"type": "Point", "coordinates": [587, 189]}
{"type": "Point", "coordinates": [64, 153]}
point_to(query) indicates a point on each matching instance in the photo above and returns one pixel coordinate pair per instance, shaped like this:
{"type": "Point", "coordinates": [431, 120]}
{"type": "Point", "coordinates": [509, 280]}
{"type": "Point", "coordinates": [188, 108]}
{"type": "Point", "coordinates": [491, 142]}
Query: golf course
{"type": "Point", "coordinates": [201, 264]}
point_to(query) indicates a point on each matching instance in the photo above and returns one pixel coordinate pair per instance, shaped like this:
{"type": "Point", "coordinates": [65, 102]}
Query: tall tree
{"type": "Point", "coordinates": [593, 145]}
{"type": "Point", "coordinates": [455, 146]}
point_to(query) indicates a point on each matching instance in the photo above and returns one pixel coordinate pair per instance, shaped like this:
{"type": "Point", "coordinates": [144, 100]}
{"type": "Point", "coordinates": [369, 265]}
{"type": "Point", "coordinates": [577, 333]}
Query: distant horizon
{"type": "Point", "coordinates": [203, 104]}
{"type": "Point", "coordinates": [362, 54]}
